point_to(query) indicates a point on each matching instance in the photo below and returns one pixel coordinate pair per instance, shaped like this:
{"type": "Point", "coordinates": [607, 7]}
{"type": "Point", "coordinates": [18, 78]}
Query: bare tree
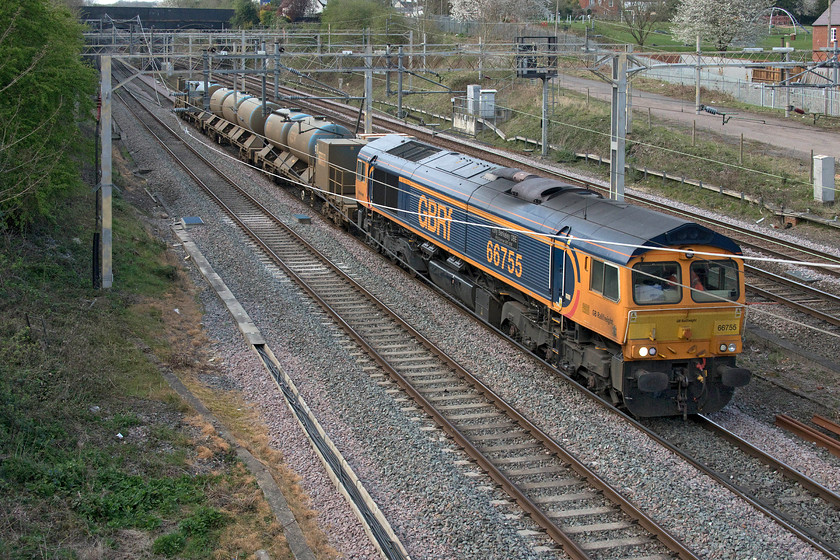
{"type": "Point", "coordinates": [293, 10]}
{"type": "Point", "coordinates": [642, 16]}
{"type": "Point", "coordinates": [720, 22]}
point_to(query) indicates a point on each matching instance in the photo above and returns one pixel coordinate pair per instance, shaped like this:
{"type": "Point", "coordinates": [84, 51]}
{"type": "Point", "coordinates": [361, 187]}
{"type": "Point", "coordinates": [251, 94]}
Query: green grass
{"type": "Point", "coordinates": [93, 447]}
{"type": "Point", "coordinates": [662, 39]}
{"type": "Point", "coordinates": [578, 126]}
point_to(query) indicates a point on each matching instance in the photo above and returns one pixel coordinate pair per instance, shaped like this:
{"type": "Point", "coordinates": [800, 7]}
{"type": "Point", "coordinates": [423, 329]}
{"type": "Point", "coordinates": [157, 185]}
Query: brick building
{"type": "Point", "coordinates": [824, 36]}
{"type": "Point", "coordinates": [602, 8]}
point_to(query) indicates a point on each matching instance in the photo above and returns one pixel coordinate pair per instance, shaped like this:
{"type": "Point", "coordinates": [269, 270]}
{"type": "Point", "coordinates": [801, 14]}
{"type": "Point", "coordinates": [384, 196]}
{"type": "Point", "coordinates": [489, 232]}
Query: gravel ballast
{"type": "Point", "coordinates": [431, 498]}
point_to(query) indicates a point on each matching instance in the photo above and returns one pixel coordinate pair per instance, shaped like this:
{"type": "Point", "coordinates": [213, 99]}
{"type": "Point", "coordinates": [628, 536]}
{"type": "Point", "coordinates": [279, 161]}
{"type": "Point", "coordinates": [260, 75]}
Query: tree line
{"type": "Point", "coordinates": [719, 22]}
{"type": "Point", "coordinates": [47, 93]}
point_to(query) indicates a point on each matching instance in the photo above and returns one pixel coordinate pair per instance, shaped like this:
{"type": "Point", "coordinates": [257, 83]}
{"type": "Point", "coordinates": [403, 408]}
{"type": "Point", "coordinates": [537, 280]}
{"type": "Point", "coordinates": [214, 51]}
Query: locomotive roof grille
{"type": "Point", "coordinates": [414, 151]}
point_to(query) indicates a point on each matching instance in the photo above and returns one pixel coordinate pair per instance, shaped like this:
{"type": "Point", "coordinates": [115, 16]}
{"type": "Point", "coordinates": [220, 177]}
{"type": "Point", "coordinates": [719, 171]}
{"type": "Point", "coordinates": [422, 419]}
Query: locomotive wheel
{"type": "Point", "coordinates": [512, 331]}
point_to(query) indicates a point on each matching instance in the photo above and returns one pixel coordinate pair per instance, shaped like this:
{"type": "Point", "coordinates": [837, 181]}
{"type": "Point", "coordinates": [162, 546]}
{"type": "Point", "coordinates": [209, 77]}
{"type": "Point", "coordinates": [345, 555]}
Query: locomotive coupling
{"type": "Point", "coordinates": [734, 376]}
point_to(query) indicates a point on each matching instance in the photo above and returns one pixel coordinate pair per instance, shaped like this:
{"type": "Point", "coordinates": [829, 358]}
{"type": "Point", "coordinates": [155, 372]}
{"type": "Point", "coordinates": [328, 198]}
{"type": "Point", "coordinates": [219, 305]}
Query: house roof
{"type": "Point", "coordinates": [823, 19]}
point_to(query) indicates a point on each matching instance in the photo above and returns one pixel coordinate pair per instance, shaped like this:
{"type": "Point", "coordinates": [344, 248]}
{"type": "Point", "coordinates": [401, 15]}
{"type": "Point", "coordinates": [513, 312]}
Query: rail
{"type": "Point", "coordinates": [808, 433]}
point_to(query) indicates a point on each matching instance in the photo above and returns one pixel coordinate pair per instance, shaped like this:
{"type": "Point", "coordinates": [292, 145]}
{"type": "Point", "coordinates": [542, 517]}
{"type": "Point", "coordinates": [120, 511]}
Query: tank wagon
{"type": "Point", "coordinates": [643, 308]}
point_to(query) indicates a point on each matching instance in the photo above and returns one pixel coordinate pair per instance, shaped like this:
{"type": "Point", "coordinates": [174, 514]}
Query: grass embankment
{"type": "Point", "coordinates": [99, 458]}
{"type": "Point", "coordinates": [662, 39]}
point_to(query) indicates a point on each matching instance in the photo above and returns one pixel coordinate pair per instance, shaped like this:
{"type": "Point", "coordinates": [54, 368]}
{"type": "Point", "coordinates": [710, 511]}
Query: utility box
{"type": "Point", "coordinates": [487, 104]}
{"type": "Point", "coordinates": [824, 179]}
{"type": "Point", "coordinates": [481, 102]}
{"type": "Point", "coordinates": [473, 99]}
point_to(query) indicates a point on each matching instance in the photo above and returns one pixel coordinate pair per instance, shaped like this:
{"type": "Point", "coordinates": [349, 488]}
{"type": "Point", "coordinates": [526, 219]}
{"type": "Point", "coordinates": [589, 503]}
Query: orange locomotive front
{"type": "Point", "coordinates": [675, 317]}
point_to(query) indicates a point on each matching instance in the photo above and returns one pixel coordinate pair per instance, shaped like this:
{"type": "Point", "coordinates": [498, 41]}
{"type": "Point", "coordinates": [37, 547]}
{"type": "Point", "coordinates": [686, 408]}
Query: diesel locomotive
{"type": "Point", "coordinates": [643, 308]}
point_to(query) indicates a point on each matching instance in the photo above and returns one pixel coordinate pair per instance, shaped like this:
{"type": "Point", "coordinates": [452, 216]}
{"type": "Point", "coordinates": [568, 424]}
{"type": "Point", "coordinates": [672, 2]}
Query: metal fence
{"type": "Point", "coordinates": [812, 100]}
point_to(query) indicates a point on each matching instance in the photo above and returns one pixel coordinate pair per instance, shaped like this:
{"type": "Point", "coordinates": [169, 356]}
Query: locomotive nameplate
{"type": "Point", "coordinates": [505, 237]}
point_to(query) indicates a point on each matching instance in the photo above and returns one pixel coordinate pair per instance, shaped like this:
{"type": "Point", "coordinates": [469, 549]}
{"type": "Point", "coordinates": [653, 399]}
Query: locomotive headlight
{"type": "Point", "coordinates": [732, 347]}
{"type": "Point", "coordinates": [723, 347]}
{"type": "Point", "coordinates": [652, 351]}
{"type": "Point", "coordinates": [643, 352]}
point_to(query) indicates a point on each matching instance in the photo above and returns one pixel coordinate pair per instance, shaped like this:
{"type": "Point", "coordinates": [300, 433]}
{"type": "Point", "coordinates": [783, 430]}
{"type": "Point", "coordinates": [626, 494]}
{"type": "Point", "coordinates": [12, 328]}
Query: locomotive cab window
{"type": "Point", "coordinates": [604, 279]}
{"type": "Point", "coordinates": [360, 171]}
{"type": "Point", "coordinates": [657, 283]}
{"type": "Point", "coordinates": [712, 281]}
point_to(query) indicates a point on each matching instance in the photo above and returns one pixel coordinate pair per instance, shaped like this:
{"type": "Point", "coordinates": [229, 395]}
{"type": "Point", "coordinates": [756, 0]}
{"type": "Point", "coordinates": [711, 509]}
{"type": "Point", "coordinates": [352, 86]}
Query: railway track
{"type": "Point", "coordinates": [796, 295]}
{"type": "Point", "coordinates": [437, 388]}
{"type": "Point", "coordinates": [578, 511]}
{"type": "Point", "coordinates": [815, 524]}
{"type": "Point", "coordinates": [798, 502]}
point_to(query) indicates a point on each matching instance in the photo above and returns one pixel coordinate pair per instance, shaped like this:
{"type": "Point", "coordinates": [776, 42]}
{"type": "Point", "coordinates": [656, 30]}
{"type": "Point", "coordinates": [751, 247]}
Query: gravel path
{"type": "Point", "coordinates": [432, 499]}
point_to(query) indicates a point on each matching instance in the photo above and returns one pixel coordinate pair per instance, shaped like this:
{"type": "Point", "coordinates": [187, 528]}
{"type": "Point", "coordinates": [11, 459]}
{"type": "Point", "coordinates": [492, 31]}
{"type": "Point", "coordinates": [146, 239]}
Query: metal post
{"type": "Point", "coordinates": [276, 70]}
{"type": "Point", "coordinates": [786, 74]}
{"type": "Point", "coordinates": [544, 116]}
{"type": "Point", "coordinates": [481, 60]}
{"type": "Point", "coordinates": [262, 82]}
{"type": "Point", "coordinates": [617, 123]}
{"type": "Point", "coordinates": [205, 57]}
{"type": "Point", "coordinates": [400, 82]}
{"type": "Point", "coordinates": [424, 52]}
{"type": "Point", "coordinates": [388, 70]}
{"type": "Point", "coordinates": [628, 126]}
{"type": "Point", "coordinates": [368, 85]}
{"type": "Point", "coordinates": [697, 80]}
{"type": "Point", "coordinates": [410, 57]}
{"type": "Point", "coordinates": [105, 185]}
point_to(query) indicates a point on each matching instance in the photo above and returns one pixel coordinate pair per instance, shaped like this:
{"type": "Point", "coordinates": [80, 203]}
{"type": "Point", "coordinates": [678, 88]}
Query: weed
{"type": "Point", "coordinates": [122, 421]}
{"type": "Point", "coordinates": [170, 544]}
{"type": "Point", "coordinates": [74, 372]}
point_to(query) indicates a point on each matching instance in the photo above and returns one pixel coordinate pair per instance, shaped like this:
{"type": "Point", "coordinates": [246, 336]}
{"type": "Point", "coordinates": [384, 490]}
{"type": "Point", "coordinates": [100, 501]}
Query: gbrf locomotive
{"type": "Point", "coordinates": [642, 307]}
